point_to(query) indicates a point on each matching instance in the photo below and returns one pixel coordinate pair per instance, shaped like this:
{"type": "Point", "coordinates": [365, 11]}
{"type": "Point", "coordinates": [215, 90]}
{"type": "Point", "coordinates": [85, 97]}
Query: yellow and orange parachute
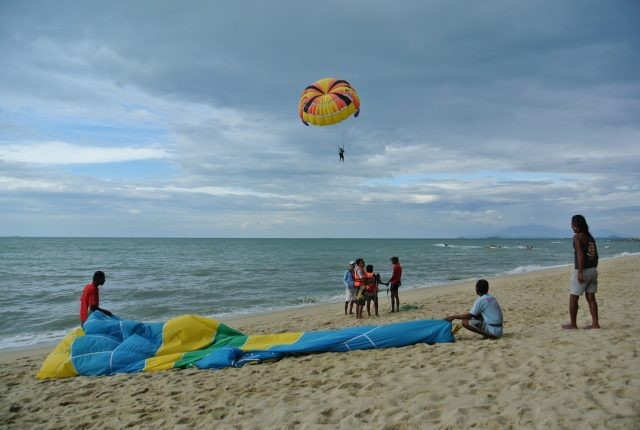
{"type": "Point", "coordinates": [328, 101]}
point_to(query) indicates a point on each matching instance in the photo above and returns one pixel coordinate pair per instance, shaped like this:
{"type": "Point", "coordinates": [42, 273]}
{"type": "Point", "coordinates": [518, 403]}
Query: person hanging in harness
{"type": "Point", "coordinates": [341, 153]}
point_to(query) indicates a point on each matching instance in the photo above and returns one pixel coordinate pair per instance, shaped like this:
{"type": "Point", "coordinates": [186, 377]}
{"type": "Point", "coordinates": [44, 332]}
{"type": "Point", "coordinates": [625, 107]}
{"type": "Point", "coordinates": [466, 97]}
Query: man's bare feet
{"type": "Point", "coordinates": [569, 326]}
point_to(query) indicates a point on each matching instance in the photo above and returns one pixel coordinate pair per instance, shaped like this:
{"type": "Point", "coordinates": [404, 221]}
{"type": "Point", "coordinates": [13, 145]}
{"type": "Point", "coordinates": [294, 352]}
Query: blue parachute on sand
{"type": "Point", "coordinates": [109, 345]}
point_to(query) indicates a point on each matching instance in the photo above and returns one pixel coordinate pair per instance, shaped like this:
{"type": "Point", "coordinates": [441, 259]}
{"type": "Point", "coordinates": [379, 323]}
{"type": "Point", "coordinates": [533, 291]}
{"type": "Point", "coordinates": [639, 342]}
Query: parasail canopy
{"type": "Point", "coordinates": [108, 345]}
{"type": "Point", "coordinates": [328, 101]}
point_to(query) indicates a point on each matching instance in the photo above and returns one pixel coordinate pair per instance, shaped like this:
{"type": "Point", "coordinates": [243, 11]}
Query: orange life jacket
{"type": "Point", "coordinates": [370, 282]}
{"type": "Point", "coordinates": [357, 280]}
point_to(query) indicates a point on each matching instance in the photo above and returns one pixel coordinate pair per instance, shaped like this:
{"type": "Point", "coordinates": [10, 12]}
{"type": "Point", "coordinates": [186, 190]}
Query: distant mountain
{"type": "Point", "coordinates": [533, 231]}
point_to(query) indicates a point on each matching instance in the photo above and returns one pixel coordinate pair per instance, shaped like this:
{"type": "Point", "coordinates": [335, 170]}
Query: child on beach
{"type": "Point", "coordinates": [371, 281]}
{"type": "Point", "coordinates": [90, 299]}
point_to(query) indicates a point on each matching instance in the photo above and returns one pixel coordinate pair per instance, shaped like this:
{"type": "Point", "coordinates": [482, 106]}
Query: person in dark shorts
{"type": "Point", "coordinates": [371, 281]}
{"type": "Point", "coordinates": [394, 283]}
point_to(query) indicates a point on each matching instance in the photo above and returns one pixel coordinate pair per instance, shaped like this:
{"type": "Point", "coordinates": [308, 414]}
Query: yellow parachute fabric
{"type": "Point", "coordinates": [58, 363]}
{"type": "Point", "coordinates": [328, 101]}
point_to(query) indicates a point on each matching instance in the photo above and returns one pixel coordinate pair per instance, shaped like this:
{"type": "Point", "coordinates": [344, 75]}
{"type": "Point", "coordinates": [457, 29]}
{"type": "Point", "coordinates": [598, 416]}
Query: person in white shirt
{"type": "Point", "coordinates": [485, 316]}
{"type": "Point", "coordinates": [350, 288]}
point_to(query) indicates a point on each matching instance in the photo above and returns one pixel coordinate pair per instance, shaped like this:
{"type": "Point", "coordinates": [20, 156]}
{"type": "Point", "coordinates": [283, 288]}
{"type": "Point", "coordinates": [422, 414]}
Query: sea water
{"type": "Point", "coordinates": [41, 279]}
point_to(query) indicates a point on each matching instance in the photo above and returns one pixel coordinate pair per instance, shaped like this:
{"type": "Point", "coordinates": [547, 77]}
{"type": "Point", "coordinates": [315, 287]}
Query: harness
{"type": "Point", "coordinates": [357, 280]}
{"type": "Point", "coordinates": [370, 282]}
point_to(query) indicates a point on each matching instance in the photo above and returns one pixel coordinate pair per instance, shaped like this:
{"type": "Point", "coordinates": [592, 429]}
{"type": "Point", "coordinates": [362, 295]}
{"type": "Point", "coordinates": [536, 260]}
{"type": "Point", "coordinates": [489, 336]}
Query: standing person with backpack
{"type": "Point", "coordinates": [585, 276]}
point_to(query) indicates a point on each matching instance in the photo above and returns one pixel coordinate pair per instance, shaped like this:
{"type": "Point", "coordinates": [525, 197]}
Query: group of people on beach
{"type": "Point", "coordinates": [485, 317]}
{"type": "Point", "coordinates": [363, 285]}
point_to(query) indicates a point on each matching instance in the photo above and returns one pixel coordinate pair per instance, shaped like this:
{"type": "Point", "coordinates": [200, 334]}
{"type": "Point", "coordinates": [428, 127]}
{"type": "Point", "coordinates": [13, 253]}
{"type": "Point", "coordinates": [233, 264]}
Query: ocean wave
{"type": "Point", "coordinates": [23, 340]}
{"type": "Point", "coordinates": [626, 254]}
{"type": "Point", "coordinates": [261, 309]}
{"type": "Point", "coordinates": [448, 245]}
{"type": "Point", "coordinates": [528, 268]}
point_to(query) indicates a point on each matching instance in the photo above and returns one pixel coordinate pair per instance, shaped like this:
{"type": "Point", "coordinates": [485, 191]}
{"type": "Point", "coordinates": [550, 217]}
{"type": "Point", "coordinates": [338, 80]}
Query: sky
{"type": "Point", "coordinates": [179, 118]}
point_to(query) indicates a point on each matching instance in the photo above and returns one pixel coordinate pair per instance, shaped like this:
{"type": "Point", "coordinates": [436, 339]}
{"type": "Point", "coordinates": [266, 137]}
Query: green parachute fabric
{"type": "Point", "coordinates": [107, 345]}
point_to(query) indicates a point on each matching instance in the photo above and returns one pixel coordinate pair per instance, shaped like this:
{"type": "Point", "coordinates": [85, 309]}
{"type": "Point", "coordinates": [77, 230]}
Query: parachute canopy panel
{"type": "Point", "coordinates": [328, 101]}
{"type": "Point", "coordinates": [108, 345]}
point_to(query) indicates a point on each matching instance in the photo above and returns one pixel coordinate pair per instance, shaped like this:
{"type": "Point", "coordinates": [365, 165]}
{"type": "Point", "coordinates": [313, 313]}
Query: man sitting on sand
{"type": "Point", "coordinates": [485, 317]}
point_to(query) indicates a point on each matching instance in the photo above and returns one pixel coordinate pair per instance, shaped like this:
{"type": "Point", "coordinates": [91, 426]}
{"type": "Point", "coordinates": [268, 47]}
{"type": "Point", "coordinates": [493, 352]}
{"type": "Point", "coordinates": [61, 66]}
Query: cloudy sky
{"type": "Point", "coordinates": [179, 118]}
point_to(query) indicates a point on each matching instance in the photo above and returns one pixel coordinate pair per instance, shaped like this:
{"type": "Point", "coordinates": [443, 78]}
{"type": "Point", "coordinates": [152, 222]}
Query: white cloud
{"type": "Point", "coordinates": [61, 153]}
{"type": "Point", "coordinates": [11, 184]}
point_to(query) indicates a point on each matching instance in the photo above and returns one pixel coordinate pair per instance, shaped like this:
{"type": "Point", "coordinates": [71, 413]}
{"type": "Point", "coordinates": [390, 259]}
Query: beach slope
{"type": "Point", "coordinates": [537, 376]}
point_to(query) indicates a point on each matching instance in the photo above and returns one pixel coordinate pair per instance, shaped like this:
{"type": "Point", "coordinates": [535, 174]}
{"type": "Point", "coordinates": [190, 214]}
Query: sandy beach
{"type": "Point", "coordinates": [537, 376]}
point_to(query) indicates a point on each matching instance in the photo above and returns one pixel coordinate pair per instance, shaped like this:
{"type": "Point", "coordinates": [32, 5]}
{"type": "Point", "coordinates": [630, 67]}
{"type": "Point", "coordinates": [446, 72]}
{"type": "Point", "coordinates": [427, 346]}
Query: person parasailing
{"type": "Point", "coordinates": [328, 102]}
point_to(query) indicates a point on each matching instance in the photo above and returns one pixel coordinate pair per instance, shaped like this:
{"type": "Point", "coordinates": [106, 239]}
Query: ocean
{"type": "Point", "coordinates": [151, 280]}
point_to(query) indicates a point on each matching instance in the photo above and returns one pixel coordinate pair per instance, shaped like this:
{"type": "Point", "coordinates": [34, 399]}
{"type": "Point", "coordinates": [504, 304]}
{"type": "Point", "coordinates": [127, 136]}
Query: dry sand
{"type": "Point", "coordinates": [537, 376]}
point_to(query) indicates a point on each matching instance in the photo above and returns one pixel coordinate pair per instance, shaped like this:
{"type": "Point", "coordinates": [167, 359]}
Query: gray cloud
{"type": "Point", "coordinates": [474, 117]}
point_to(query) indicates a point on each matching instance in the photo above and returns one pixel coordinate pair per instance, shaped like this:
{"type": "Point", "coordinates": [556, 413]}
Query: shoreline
{"type": "Point", "coordinates": [413, 294]}
{"type": "Point", "coordinates": [536, 376]}
{"type": "Point", "coordinates": [11, 353]}
{"type": "Point", "coordinates": [47, 336]}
